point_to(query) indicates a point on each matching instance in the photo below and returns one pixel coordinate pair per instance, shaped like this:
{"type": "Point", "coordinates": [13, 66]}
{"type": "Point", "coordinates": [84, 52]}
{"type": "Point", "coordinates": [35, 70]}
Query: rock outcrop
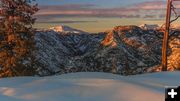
{"type": "Point", "coordinates": [174, 57]}
{"type": "Point", "coordinates": [125, 50]}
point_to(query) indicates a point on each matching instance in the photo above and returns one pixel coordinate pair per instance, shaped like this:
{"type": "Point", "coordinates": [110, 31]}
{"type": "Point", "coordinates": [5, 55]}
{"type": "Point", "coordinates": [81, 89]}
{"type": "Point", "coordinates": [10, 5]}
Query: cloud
{"type": "Point", "coordinates": [65, 21]}
{"type": "Point", "coordinates": [151, 9]}
{"type": "Point", "coordinates": [155, 5]}
{"type": "Point", "coordinates": [67, 7]}
{"type": "Point", "coordinates": [151, 5]}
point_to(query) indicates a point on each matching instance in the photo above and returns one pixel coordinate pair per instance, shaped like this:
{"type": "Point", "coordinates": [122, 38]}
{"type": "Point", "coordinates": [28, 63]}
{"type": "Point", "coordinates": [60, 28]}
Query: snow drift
{"type": "Point", "coordinates": [88, 87]}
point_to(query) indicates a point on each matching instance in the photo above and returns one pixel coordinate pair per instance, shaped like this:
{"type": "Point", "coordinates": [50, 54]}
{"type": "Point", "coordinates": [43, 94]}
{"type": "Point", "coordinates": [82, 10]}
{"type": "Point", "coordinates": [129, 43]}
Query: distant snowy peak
{"type": "Point", "coordinates": [175, 26]}
{"type": "Point", "coordinates": [156, 26]}
{"type": "Point", "coordinates": [149, 26]}
{"type": "Point", "coordinates": [66, 29]}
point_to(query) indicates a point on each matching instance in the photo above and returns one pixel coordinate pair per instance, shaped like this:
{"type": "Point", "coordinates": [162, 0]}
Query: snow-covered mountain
{"type": "Point", "coordinates": [66, 29]}
{"type": "Point", "coordinates": [150, 26]}
{"type": "Point", "coordinates": [124, 50]}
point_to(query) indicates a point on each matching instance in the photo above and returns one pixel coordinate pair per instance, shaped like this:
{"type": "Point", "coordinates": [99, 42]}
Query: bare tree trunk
{"type": "Point", "coordinates": [166, 36]}
{"type": "Point", "coordinates": [167, 31]}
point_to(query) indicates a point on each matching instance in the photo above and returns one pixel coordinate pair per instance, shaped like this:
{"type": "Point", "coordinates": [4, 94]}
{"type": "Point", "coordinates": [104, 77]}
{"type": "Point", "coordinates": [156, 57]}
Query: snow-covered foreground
{"type": "Point", "coordinates": [88, 87]}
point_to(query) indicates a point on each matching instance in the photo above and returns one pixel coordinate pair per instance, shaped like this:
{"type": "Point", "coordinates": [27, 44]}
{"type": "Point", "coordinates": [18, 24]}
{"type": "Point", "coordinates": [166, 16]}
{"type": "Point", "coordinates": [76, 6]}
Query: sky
{"type": "Point", "coordinates": [103, 8]}
{"type": "Point", "coordinates": [100, 15]}
{"type": "Point", "coordinates": [99, 3]}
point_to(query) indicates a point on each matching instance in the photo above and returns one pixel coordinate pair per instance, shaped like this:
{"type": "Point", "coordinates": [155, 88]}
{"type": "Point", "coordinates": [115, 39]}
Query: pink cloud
{"type": "Point", "coordinates": [155, 8]}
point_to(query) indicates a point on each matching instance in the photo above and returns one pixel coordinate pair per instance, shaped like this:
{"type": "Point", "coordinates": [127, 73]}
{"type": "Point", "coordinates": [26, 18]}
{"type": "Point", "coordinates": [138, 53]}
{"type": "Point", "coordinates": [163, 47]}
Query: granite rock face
{"type": "Point", "coordinates": [125, 50]}
{"type": "Point", "coordinates": [174, 57]}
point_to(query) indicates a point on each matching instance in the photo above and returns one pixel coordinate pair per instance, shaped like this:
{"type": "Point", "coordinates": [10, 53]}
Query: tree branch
{"type": "Point", "coordinates": [175, 19]}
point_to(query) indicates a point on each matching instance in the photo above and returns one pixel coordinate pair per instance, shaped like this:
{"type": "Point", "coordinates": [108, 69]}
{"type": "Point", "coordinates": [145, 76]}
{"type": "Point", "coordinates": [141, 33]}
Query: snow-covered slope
{"type": "Point", "coordinates": [88, 87]}
{"type": "Point", "coordinates": [56, 52]}
{"type": "Point", "coordinates": [124, 50]}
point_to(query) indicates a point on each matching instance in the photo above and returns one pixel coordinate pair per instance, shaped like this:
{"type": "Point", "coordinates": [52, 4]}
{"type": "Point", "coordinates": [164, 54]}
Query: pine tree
{"type": "Point", "coordinates": [17, 37]}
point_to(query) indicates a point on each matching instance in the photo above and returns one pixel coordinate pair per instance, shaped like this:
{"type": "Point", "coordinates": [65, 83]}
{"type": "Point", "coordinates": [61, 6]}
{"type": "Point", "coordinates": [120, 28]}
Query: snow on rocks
{"type": "Point", "coordinates": [125, 50]}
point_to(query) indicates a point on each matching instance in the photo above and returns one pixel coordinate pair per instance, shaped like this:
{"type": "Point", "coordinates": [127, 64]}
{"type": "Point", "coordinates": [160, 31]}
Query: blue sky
{"type": "Point", "coordinates": [98, 3]}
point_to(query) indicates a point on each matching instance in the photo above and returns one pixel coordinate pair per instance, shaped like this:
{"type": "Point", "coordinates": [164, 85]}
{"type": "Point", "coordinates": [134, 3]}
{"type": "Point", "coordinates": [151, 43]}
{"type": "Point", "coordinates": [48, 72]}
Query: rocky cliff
{"type": "Point", "coordinates": [124, 50]}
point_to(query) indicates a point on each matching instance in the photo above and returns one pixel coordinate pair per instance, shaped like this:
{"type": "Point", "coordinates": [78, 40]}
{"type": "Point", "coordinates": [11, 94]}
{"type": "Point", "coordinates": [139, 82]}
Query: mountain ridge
{"type": "Point", "coordinates": [125, 50]}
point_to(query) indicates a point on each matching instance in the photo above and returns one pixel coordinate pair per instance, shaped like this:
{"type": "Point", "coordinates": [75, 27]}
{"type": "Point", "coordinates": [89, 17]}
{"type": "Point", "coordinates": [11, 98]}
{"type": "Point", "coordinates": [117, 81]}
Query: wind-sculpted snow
{"type": "Point", "coordinates": [88, 87]}
{"type": "Point", "coordinates": [124, 50]}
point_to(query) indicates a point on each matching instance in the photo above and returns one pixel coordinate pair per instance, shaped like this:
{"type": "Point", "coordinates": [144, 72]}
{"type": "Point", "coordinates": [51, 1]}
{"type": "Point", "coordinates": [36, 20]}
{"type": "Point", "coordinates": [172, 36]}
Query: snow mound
{"type": "Point", "coordinates": [88, 87]}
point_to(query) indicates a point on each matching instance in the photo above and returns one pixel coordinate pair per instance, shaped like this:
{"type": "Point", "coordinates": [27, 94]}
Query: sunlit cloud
{"type": "Point", "coordinates": [145, 9]}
